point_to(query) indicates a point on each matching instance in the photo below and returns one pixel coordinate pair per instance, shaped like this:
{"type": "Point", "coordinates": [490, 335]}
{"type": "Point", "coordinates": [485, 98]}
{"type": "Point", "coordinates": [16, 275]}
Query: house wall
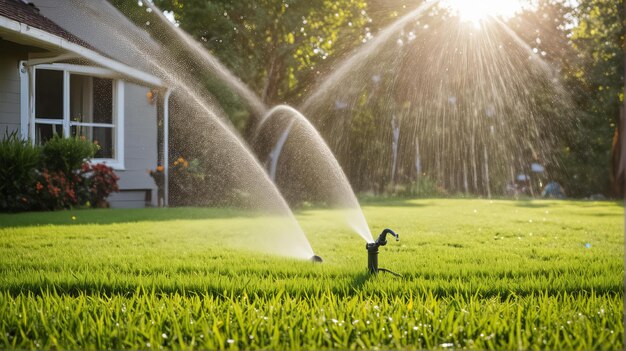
{"type": "Point", "coordinates": [140, 150]}
{"type": "Point", "coordinates": [10, 86]}
{"type": "Point", "coordinates": [137, 189]}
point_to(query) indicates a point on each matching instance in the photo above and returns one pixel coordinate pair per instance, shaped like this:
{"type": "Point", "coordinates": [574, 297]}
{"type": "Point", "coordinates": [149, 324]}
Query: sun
{"type": "Point", "coordinates": [476, 11]}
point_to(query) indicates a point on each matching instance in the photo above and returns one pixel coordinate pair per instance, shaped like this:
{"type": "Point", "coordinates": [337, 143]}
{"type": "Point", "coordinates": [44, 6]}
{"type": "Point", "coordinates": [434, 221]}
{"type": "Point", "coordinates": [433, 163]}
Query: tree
{"type": "Point", "coordinates": [584, 40]}
{"type": "Point", "coordinates": [275, 46]}
{"type": "Point", "coordinates": [595, 74]}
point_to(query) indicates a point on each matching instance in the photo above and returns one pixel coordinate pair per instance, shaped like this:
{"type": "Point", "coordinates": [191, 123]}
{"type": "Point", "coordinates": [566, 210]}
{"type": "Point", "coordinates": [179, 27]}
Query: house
{"type": "Point", "coordinates": [62, 74]}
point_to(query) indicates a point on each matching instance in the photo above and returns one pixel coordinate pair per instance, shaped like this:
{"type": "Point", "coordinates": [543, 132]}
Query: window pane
{"type": "Point", "coordinates": [48, 94]}
{"type": "Point", "coordinates": [102, 100]}
{"type": "Point", "coordinates": [45, 132]}
{"type": "Point", "coordinates": [91, 99]}
{"type": "Point", "coordinates": [80, 98]}
{"type": "Point", "coordinates": [99, 135]}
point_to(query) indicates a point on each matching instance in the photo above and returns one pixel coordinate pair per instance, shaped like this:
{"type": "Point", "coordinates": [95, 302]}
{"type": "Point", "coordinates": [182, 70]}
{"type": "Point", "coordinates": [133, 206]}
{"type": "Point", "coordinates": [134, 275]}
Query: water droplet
{"type": "Point", "coordinates": [230, 341]}
{"type": "Point", "coordinates": [164, 336]}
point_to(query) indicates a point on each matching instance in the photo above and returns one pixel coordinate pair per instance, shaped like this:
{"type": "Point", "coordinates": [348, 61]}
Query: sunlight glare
{"type": "Point", "coordinates": [477, 11]}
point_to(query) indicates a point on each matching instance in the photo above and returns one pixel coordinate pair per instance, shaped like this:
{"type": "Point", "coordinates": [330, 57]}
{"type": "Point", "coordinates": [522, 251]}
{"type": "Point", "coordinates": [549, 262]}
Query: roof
{"type": "Point", "coordinates": [28, 14]}
{"type": "Point", "coordinates": [23, 23]}
{"type": "Point", "coordinates": [105, 28]}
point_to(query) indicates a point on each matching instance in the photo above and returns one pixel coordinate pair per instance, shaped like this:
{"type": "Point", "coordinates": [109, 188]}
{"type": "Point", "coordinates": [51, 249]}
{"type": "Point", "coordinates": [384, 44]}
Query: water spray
{"type": "Point", "coordinates": [372, 252]}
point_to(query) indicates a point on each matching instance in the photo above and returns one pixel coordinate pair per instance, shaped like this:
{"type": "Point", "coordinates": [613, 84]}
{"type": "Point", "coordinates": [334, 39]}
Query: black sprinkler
{"type": "Point", "coordinates": [316, 259]}
{"type": "Point", "coordinates": [372, 252]}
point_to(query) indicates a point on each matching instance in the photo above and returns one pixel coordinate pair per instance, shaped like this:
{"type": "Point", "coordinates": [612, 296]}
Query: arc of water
{"type": "Point", "coordinates": [364, 52]}
{"type": "Point", "coordinates": [275, 154]}
{"type": "Point", "coordinates": [220, 71]}
{"type": "Point", "coordinates": [355, 218]}
{"type": "Point", "coordinates": [304, 247]}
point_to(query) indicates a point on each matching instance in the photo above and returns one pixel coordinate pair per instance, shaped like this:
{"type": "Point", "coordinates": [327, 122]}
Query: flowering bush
{"type": "Point", "coordinates": [187, 182]}
{"type": "Point", "coordinates": [52, 177]}
{"type": "Point", "coordinates": [158, 175]}
{"type": "Point", "coordinates": [89, 186]}
{"type": "Point", "coordinates": [53, 190]}
{"type": "Point", "coordinates": [101, 181]}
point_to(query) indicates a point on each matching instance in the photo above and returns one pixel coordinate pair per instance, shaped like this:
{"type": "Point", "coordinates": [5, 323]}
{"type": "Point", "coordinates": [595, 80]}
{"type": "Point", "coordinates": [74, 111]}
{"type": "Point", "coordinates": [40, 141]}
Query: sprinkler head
{"type": "Point", "coordinates": [372, 249]}
{"type": "Point", "coordinates": [316, 259]}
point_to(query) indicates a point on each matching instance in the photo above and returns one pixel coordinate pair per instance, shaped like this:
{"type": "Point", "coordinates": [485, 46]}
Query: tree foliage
{"type": "Point", "coordinates": [275, 46]}
{"type": "Point", "coordinates": [281, 47]}
{"type": "Point", "coordinates": [595, 74]}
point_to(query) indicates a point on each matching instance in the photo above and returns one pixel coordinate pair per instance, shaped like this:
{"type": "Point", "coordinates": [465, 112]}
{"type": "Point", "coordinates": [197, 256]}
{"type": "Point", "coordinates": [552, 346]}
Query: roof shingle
{"type": "Point", "coordinates": [23, 12]}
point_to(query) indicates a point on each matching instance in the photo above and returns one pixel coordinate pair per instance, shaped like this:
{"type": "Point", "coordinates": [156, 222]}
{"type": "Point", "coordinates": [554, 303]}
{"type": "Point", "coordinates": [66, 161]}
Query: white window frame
{"type": "Point", "coordinates": [117, 162]}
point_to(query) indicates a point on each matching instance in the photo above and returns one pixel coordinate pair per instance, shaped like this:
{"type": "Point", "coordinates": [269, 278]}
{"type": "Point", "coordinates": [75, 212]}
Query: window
{"type": "Point", "coordinates": [71, 100]}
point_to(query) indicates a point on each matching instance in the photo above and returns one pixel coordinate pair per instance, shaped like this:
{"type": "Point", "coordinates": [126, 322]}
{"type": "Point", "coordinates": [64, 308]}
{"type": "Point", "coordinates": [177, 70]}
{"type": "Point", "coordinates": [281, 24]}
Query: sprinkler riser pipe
{"type": "Point", "coordinates": [372, 250]}
{"type": "Point", "coordinates": [372, 257]}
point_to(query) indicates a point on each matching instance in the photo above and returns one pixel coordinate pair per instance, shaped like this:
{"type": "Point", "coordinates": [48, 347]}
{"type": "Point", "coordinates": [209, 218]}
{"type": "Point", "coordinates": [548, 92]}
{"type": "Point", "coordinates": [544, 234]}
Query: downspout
{"type": "Point", "coordinates": [166, 146]}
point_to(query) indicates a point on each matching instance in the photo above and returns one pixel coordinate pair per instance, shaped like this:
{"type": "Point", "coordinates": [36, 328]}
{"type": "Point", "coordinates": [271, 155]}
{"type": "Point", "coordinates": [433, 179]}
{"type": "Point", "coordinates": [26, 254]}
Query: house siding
{"type": "Point", "coordinates": [140, 150]}
{"type": "Point", "coordinates": [12, 54]}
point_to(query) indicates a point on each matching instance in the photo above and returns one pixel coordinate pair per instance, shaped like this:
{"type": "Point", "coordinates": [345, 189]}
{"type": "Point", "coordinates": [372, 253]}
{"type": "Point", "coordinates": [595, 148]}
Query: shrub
{"type": "Point", "coordinates": [52, 177]}
{"type": "Point", "coordinates": [188, 183]}
{"type": "Point", "coordinates": [99, 181]}
{"type": "Point", "coordinates": [90, 186]}
{"type": "Point", "coordinates": [54, 190]}
{"type": "Point", "coordinates": [18, 164]}
{"type": "Point", "coordinates": [67, 155]}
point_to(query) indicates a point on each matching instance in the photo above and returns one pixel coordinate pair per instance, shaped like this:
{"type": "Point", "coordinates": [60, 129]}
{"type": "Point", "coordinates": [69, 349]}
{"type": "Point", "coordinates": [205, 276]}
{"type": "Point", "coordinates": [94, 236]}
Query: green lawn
{"type": "Point", "coordinates": [476, 274]}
